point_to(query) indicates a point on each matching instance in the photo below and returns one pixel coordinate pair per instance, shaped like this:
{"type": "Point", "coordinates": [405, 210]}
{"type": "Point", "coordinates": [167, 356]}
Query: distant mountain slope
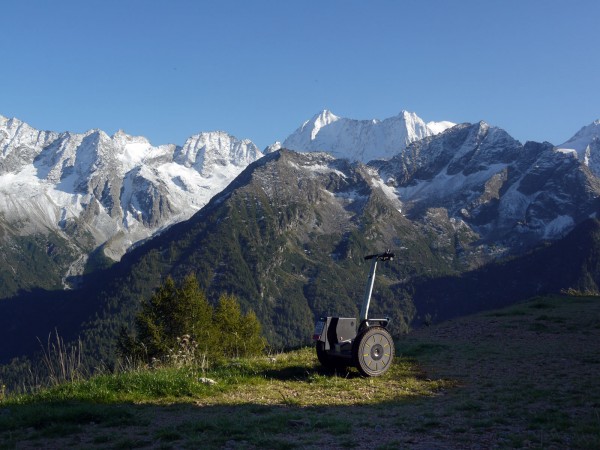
{"type": "Point", "coordinates": [571, 263]}
{"type": "Point", "coordinates": [288, 237]}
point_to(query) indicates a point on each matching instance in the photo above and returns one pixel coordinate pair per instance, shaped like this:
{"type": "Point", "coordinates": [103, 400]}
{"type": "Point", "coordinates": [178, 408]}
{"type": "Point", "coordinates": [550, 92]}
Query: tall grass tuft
{"type": "Point", "coordinates": [185, 354]}
{"type": "Point", "coordinates": [63, 362]}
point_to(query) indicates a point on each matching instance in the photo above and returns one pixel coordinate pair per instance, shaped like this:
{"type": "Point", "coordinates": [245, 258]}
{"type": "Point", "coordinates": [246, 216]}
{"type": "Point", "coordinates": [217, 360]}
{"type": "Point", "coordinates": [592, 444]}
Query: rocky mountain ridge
{"type": "Point", "coordinates": [509, 194]}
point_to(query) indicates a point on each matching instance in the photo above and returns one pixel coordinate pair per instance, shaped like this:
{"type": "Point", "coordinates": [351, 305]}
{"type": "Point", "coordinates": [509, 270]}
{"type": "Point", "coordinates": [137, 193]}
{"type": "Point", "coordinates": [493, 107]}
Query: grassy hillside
{"type": "Point", "coordinates": [522, 377]}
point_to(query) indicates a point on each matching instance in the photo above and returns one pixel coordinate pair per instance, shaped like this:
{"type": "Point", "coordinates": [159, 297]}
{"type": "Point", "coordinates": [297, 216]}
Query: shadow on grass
{"type": "Point", "coordinates": [250, 425]}
{"type": "Point", "coordinates": [302, 373]}
{"type": "Point", "coordinates": [422, 349]}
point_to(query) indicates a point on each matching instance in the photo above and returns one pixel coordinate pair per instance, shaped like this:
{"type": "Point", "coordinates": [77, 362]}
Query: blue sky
{"type": "Point", "coordinates": [258, 69]}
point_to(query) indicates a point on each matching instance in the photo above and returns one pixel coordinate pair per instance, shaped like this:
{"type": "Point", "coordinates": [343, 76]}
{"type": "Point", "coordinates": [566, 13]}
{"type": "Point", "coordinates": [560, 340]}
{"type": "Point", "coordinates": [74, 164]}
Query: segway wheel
{"type": "Point", "coordinates": [330, 362]}
{"type": "Point", "coordinates": [373, 351]}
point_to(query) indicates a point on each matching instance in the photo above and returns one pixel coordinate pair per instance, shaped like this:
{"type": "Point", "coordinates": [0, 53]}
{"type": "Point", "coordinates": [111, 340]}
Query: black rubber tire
{"type": "Point", "coordinates": [373, 351]}
{"type": "Point", "coordinates": [330, 362]}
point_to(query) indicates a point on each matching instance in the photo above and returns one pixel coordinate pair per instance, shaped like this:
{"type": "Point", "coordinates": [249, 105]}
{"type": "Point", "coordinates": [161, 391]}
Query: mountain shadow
{"type": "Point", "coordinates": [28, 319]}
{"type": "Point", "coordinates": [572, 263]}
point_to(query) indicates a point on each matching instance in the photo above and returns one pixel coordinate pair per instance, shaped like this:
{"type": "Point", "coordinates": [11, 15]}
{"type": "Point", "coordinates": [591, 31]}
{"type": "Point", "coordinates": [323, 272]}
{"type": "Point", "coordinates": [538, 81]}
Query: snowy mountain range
{"type": "Point", "coordinates": [117, 190]}
{"type": "Point", "coordinates": [95, 192]}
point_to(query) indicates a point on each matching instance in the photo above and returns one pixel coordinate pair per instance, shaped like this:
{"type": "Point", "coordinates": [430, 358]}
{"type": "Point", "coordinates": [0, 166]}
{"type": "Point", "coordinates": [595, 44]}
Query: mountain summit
{"type": "Point", "coordinates": [361, 140]}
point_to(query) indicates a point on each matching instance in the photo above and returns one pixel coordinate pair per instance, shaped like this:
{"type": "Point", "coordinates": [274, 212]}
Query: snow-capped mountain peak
{"type": "Point", "coordinates": [361, 140]}
{"type": "Point", "coordinates": [17, 141]}
{"type": "Point", "coordinates": [133, 151]}
{"type": "Point", "coordinates": [585, 146]}
{"type": "Point", "coordinates": [589, 131]}
{"type": "Point", "coordinates": [205, 150]}
{"type": "Point", "coordinates": [311, 128]}
{"type": "Point", "coordinates": [324, 118]}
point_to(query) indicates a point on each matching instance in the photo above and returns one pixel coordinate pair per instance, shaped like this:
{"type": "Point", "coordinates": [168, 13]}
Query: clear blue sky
{"type": "Point", "coordinates": [258, 69]}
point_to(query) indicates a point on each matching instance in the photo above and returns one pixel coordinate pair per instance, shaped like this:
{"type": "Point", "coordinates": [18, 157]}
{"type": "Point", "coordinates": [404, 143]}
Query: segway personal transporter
{"type": "Point", "coordinates": [365, 344]}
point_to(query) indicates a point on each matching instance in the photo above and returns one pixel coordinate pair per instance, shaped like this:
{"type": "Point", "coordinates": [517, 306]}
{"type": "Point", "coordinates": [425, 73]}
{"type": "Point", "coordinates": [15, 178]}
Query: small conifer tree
{"type": "Point", "coordinates": [174, 312]}
{"type": "Point", "coordinates": [240, 334]}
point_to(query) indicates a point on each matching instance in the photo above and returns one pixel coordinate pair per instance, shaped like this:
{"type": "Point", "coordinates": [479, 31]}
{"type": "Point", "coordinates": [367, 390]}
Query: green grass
{"type": "Point", "coordinates": [262, 402]}
{"type": "Point", "coordinates": [293, 378]}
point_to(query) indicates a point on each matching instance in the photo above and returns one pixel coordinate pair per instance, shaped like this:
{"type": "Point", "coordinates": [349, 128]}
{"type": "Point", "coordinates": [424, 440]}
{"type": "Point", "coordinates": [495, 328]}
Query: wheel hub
{"type": "Point", "coordinates": [376, 352]}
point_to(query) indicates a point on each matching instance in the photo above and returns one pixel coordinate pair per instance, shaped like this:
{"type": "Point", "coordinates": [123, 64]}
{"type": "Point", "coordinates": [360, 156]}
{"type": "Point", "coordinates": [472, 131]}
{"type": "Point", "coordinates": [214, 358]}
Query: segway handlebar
{"type": "Point", "coordinates": [385, 256]}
